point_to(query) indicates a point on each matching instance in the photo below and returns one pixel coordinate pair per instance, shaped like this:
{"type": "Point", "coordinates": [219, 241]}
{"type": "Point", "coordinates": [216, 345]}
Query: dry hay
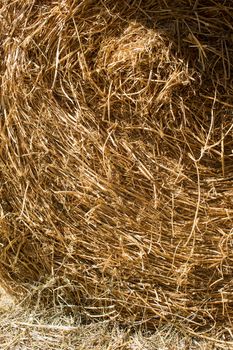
{"type": "Point", "coordinates": [24, 329]}
{"type": "Point", "coordinates": [116, 158]}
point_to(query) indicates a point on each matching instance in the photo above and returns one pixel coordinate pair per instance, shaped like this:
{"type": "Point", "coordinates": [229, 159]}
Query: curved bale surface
{"type": "Point", "coordinates": [116, 157]}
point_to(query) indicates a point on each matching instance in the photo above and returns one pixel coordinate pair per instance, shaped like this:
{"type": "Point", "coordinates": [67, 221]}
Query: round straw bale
{"type": "Point", "coordinates": [116, 158]}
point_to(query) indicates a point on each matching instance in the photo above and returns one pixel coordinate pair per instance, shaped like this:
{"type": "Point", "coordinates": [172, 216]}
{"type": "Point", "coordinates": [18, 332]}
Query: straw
{"type": "Point", "coordinates": [116, 159]}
